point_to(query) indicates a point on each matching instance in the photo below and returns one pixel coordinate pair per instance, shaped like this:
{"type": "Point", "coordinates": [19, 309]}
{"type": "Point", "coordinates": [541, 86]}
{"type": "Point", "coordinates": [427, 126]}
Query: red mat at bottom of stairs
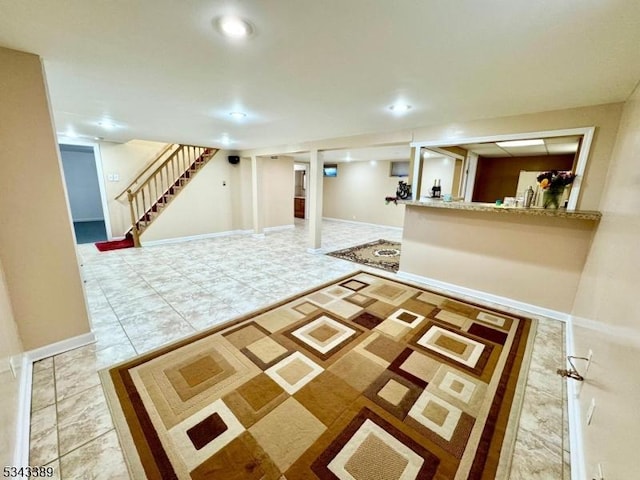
{"type": "Point", "coordinates": [126, 242]}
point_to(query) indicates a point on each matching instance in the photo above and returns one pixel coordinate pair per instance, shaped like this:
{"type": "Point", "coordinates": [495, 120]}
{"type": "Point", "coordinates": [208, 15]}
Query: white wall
{"type": "Point", "coordinates": [440, 168]}
{"type": "Point", "coordinates": [358, 193]}
{"type": "Point", "coordinates": [81, 179]}
{"type": "Point", "coordinates": [607, 315]}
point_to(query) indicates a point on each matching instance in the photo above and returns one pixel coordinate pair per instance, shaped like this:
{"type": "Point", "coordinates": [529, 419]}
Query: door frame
{"type": "Point", "coordinates": [101, 185]}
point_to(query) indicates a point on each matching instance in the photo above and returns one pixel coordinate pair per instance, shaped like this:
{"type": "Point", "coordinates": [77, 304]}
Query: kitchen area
{"type": "Point", "coordinates": [300, 190]}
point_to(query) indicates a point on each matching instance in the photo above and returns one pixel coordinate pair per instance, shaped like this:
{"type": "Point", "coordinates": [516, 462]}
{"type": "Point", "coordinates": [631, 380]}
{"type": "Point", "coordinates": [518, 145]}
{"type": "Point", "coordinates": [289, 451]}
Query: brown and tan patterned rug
{"type": "Point", "coordinates": [364, 378]}
{"type": "Point", "coordinates": [379, 254]}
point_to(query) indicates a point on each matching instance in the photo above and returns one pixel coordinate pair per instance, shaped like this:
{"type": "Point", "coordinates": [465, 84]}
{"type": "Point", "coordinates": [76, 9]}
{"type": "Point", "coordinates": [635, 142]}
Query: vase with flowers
{"type": "Point", "coordinates": [553, 184]}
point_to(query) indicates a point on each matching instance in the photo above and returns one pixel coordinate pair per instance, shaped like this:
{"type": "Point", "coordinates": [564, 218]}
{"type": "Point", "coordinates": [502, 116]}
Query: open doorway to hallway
{"type": "Point", "coordinates": [83, 191]}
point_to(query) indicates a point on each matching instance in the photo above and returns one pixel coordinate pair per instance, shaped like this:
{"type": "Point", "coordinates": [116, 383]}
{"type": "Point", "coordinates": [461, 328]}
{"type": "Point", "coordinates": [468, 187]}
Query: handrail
{"type": "Point", "coordinates": [160, 167]}
{"type": "Point", "coordinates": [166, 181]}
{"type": "Point", "coordinates": [163, 164]}
{"type": "Point", "coordinates": [141, 174]}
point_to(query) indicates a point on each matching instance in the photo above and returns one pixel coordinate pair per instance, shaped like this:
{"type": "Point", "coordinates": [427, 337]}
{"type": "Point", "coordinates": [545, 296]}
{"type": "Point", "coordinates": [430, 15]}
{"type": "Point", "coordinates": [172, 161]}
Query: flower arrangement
{"type": "Point", "coordinates": [555, 181]}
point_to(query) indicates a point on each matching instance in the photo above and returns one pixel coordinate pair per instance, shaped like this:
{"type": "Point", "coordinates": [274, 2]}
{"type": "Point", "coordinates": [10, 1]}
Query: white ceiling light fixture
{"type": "Point", "coordinates": [400, 108]}
{"type": "Point", "coordinates": [520, 143]}
{"type": "Point", "coordinates": [237, 115]}
{"type": "Point", "coordinates": [225, 140]}
{"type": "Point", "coordinates": [107, 124]}
{"type": "Point", "coordinates": [234, 27]}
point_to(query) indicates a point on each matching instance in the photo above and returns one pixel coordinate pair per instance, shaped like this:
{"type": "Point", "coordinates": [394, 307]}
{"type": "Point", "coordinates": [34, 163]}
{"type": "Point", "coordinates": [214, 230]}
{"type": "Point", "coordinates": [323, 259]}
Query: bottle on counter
{"type": "Point", "coordinates": [528, 197]}
{"type": "Point", "coordinates": [436, 190]}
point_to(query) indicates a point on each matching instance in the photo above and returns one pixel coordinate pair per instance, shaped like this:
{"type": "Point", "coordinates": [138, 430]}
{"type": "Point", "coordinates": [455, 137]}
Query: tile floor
{"type": "Point", "coordinates": [140, 299]}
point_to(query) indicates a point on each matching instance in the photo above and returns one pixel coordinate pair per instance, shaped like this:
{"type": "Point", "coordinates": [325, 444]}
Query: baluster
{"type": "Point", "coordinates": [155, 186]}
{"type": "Point", "coordinates": [183, 160]}
{"type": "Point", "coordinates": [144, 207]}
{"type": "Point", "coordinates": [134, 227]}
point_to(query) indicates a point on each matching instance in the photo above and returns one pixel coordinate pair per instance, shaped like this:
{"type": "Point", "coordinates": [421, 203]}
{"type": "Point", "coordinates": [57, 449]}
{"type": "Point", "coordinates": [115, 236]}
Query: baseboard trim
{"type": "Point", "coordinates": [574, 413]}
{"type": "Point", "coordinates": [331, 219]}
{"type": "Point", "coordinates": [487, 297]}
{"type": "Point", "coordinates": [202, 236]}
{"type": "Point", "coordinates": [573, 387]}
{"type": "Point", "coordinates": [23, 420]}
{"type": "Point", "coordinates": [80, 220]}
{"type": "Point", "coordinates": [60, 347]}
{"type": "Point", "coordinates": [279, 228]}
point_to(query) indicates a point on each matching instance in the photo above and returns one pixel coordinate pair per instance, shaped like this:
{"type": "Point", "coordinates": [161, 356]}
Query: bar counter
{"type": "Point", "coordinates": [490, 207]}
{"type": "Point", "coordinates": [529, 255]}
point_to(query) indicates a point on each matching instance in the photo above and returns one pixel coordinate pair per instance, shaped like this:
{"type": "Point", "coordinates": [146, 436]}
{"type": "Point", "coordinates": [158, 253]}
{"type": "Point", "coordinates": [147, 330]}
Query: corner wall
{"type": "Point", "coordinates": [10, 345]}
{"type": "Point", "coordinates": [37, 248]}
{"type": "Point", "coordinates": [607, 314]}
{"type": "Point", "coordinates": [358, 193]}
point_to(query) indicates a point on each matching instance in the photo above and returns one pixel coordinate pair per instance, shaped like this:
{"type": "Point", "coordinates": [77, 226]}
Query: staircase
{"type": "Point", "coordinates": [149, 194]}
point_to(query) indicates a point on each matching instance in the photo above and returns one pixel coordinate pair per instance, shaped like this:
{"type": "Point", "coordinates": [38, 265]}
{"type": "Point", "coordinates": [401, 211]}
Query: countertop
{"type": "Point", "coordinates": [490, 207]}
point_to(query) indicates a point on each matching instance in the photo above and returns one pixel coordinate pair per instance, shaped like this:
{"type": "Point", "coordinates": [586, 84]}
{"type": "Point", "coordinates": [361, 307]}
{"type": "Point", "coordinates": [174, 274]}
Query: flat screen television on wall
{"type": "Point", "coordinates": [330, 170]}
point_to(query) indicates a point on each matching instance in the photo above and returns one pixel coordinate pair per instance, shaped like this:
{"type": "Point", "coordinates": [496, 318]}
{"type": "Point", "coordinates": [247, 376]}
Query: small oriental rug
{"type": "Point", "coordinates": [379, 254]}
{"type": "Point", "coordinates": [362, 378]}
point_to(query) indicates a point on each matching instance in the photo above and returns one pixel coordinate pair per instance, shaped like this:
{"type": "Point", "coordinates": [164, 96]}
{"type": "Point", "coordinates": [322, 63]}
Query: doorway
{"type": "Point", "coordinates": [300, 191]}
{"type": "Point", "coordinates": [79, 165]}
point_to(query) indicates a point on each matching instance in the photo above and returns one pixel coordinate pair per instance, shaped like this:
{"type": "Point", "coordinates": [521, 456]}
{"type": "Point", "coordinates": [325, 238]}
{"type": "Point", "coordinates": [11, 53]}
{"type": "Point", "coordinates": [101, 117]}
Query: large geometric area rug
{"type": "Point", "coordinates": [379, 254]}
{"type": "Point", "coordinates": [363, 378]}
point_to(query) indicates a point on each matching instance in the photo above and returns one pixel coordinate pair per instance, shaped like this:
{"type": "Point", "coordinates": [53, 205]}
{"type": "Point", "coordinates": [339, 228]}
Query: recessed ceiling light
{"type": "Point", "coordinates": [107, 124]}
{"type": "Point", "coordinates": [521, 143]}
{"type": "Point", "coordinates": [225, 140]}
{"type": "Point", "coordinates": [237, 115]}
{"type": "Point", "coordinates": [234, 27]}
{"type": "Point", "coordinates": [400, 108]}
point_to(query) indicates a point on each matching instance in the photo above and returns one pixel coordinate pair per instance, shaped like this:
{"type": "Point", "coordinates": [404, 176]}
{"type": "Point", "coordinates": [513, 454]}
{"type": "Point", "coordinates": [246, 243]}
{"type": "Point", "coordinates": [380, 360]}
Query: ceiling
{"type": "Point", "coordinates": [393, 152]}
{"type": "Point", "coordinates": [158, 70]}
{"type": "Point", "coordinates": [550, 146]}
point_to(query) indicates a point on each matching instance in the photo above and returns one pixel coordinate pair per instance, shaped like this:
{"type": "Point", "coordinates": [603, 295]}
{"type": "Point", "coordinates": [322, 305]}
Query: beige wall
{"type": "Point", "coordinates": [604, 117]}
{"type": "Point", "coordinates": [10, 345]}
{"type": "Point", "coordinates": [358, 194]}
{"type": "Point", "coordinates": [36, 239]}
{"type": "Point", "coordinates": [242, 196]}
{"type": "Point", "coordinates": [537, 260]}
{"type": "Point", "coordinates": [277, 191]}
{"type": "Point", "coordinates": [608, 316]}
{"type": "Point", "coordinates": [127, 160]}
{"type": "Point", "coordinates": [204, 206]}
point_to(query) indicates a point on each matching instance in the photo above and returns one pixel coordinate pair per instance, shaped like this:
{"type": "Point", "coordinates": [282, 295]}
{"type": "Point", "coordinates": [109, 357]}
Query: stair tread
{"type": "Point", "coordinates": [181, 182]}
